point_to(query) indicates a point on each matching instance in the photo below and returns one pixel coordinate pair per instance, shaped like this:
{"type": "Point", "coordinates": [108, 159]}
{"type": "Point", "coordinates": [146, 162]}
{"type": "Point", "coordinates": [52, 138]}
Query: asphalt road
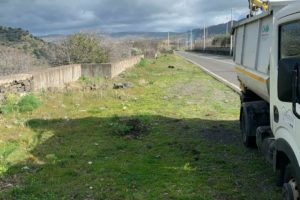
{"type": "Point", "coordinates": [220, 67]}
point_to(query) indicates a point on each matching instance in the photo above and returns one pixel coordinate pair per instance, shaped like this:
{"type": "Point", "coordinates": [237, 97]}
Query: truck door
{"type": "Point", "coordinates": [286, 109]}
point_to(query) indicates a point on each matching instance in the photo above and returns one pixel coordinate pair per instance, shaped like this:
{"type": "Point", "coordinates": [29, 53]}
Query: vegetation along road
{"type": "Point", "coordinates": [162, 130]}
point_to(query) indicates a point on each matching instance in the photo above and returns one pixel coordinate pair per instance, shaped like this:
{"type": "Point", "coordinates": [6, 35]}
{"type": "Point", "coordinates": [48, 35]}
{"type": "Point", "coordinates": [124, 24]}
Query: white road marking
{"type": "Point", "coordinates": [219, 78]}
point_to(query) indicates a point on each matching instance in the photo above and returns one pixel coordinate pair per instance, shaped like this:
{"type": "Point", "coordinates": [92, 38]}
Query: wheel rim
{"type": "Point", "coordinates": [290, 191]}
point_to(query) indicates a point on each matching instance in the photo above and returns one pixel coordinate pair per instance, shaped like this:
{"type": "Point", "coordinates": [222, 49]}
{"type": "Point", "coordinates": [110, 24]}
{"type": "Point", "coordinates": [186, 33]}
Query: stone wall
{"type": "Point", "coordinates": [20, 83]}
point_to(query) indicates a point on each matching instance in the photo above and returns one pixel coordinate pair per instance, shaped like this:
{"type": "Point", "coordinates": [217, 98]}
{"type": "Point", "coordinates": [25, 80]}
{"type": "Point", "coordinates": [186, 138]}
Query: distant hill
{"type": "Point", "coordinates": [23, 40]}
{"type": "Point", "coordinates": [54, 38]}
{"type": "Point", "coordinates": [153, 35]}
{"type": "Point", "coordinates": [197, 33]}
{"type": "Point", "coordinates": [219, 29]}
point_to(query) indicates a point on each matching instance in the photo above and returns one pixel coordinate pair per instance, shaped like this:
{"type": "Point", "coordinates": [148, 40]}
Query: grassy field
{"type": "Point", "coordinates": [173, 133]}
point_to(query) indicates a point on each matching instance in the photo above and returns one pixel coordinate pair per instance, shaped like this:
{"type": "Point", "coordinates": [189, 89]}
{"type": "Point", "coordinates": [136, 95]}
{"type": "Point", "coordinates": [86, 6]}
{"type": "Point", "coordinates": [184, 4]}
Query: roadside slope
{"type": "Point", "coordinates": [170, 132]}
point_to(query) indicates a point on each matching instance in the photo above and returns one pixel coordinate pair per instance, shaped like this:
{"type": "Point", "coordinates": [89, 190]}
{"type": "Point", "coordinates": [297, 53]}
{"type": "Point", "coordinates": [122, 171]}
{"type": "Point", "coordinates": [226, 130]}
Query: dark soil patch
{"type": "Point", "coordinates": [131, 128]}
{"type": "Point", "coordinates": [221, 136]}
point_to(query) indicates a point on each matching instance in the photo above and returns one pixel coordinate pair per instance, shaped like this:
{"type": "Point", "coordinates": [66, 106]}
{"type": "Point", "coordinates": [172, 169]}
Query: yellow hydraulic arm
{"type": "Point", "coordinates": [255, 5]}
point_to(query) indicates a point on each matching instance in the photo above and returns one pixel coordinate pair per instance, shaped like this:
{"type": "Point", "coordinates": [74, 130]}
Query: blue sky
{"type": "Point", "coordinates": [43, 17]}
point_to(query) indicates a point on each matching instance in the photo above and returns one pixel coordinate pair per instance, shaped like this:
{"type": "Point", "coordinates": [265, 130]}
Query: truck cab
{"type": "Point", "coordinates": [285, 95]}
{"type": "Point", "coordinates": [267, 55]}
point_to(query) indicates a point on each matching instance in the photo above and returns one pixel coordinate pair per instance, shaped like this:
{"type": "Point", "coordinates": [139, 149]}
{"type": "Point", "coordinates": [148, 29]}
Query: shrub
{"type": "Point", "coordinates": [28, 103]}
{"type": "Point", "coordinates": [14, 103]}
{"type": "Point", "coordinates": [10, 104]}
{"type": "Point", "coordinates": [142, 63]}
{"type": "Point", "coordinates": [221, 40]}
{"type": "Point", "coordinates": [136, 51]}
{"type": "Point", "coordinates": [85, 48]}
{"type": "Point", "coordinates": [134, 127]}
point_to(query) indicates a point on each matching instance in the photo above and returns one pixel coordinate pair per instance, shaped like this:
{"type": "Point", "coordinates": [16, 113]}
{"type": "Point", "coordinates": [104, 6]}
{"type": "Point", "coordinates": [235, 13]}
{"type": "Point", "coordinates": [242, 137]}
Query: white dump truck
{"type": "Point", "coordinates": [267, 57]}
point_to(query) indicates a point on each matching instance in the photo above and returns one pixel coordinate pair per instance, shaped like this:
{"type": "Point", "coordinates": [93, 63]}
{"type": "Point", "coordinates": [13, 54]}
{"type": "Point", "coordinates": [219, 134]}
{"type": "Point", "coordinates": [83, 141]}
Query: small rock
{"type": "Point", "coordinates": [8, 126]}
{"type": "Point", "coordinates": [26, 168]}
{"type": "Point", "coordinates": [122, 85]}
{"type": "Point", "coordinates": [90, 162]}
{"type": "Point", "coordinates": [171, 67]}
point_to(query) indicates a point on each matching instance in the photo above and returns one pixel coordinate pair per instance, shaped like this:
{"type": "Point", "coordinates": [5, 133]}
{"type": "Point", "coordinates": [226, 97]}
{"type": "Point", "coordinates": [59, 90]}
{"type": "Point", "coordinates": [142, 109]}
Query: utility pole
{"type": "Point", "coordinates": [231, 37]}
{"type": "Point", "coordinates": [168, 40]}
{"type": "Point", "coordinates": [204, 38]}
{"type": "Point", "coordinates": [187, 41]}
{"type": "Point", "coordinates": [227, 24]}
{"type": "Point", "coordinates": [191, 40]}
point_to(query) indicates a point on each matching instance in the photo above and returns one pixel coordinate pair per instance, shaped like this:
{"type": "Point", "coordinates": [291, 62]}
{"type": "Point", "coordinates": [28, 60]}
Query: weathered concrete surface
{"type": "Point", "coordinates": [109, 70]}
{"type": "Point", "coordinates": [119, 67]}
{"type": "Point", "coordinates": [56, 77]}
{"type": "Point", "coordinates": [94, 70]}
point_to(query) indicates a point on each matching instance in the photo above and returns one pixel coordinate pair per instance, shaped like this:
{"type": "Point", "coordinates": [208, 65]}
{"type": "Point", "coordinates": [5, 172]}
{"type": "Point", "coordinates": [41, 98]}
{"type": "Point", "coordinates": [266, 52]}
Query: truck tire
{"type": "Point", "coordinates": [249, 141]}
{"type": "Point", "coordinates": [290, 187]}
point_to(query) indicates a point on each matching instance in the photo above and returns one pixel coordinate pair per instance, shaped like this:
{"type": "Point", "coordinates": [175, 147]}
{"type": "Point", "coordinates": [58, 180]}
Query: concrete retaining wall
{"type": "Point", "coordinates": [109, 70]}
{"type": "Point", "coordinates": [94, 70]}
{"type": "Point", "coordinates": [119, 67]}
{"type": "Point", "coordinates": [57, 77]}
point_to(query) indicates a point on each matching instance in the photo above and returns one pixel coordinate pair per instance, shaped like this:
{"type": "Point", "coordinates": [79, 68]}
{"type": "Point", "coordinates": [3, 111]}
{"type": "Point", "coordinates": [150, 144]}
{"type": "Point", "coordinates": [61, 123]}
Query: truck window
{"type": "Point", "coordinates": [290, 40]}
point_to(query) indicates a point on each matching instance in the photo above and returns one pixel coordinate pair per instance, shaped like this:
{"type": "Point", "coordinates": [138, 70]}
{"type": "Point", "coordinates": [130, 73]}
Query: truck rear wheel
{"type": "Point", "coordinates": [290, 187]}
{"type": "Point", "coordinates": [249, 141]}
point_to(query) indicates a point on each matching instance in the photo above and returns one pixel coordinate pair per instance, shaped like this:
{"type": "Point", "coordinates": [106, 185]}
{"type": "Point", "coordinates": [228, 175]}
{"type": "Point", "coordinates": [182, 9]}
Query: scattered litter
{"type": "Point", "coordinates": [122, 86]}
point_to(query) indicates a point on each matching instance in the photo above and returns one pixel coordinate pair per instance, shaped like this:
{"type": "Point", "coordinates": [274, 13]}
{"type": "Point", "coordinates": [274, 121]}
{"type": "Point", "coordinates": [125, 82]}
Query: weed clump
{"type": "Point", "coordinates": [143, 63]}
{"type": "Point", "coordinates": [13, 103]}
{"type": "Point", "coordinates": [28, 103]}
{"type": "Point", "coordinates": [129, 127]}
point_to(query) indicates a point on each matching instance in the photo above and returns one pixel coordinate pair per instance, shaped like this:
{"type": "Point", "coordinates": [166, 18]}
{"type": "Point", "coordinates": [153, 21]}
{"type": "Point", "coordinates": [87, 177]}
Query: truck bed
{"type": "Point", "coordinates": [253, 40]}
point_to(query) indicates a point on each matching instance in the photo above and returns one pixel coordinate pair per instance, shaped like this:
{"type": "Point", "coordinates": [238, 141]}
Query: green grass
{"type": "Point", "coordinates": [143, 63]}
{"type": "Point", "coordinates": [174, 135]}
{"type": "Point", "coordinates": [23, 104]}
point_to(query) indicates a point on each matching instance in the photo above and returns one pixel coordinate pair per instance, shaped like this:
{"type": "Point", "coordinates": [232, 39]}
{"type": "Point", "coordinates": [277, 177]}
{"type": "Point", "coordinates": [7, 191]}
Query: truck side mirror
{"type": "Point", "coordinates": [286, 68]}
